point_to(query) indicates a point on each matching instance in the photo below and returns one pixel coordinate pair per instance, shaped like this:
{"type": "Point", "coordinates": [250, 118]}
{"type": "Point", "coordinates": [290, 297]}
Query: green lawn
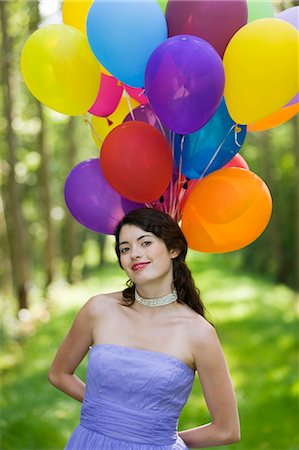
{"type": "Point", "coordinates": [256, 323]}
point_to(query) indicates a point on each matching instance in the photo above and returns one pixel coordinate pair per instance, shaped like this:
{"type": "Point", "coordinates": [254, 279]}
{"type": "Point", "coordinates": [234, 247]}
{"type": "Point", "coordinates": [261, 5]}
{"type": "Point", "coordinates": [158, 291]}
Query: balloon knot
{"type": "Point", "coordinates": [109, 122]}
{"type": "Point", "coordinates": [185, 185]}
{"type": "Point", "coordinates": [161, 199]}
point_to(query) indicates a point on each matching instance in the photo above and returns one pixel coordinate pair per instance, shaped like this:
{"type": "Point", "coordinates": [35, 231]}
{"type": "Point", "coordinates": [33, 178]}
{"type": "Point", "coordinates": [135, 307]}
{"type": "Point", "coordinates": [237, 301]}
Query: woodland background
{"type": "Point", "coordinates": [50, 265]}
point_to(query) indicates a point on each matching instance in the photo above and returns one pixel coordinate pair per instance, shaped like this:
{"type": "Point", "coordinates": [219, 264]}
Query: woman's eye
{"type": "Point", "coordinates": [146, 243]}
{"type": "Point", "coordinates": [124, 250]}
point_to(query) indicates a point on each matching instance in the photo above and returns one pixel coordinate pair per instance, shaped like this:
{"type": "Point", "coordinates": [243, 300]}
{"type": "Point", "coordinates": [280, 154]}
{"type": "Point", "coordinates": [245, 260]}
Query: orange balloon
{"type": "Point", "coordinates": [279, 117]}
{"type": "Point", "coordinates": [136, 161]}
{"type": "Point", "coordinates": [226, 211]}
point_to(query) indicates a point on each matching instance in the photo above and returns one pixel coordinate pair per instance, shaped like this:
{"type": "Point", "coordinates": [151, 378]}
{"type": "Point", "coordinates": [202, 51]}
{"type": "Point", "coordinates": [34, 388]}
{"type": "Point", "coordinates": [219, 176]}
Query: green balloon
{"type": "Point", "coordinates": [259, 9]}
{"type": "Point", "coordinates": [163, 4]}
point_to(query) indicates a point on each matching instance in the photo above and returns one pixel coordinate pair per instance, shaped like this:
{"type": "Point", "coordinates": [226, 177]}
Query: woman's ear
{"type": "Point", "coordinates": [174, 253]}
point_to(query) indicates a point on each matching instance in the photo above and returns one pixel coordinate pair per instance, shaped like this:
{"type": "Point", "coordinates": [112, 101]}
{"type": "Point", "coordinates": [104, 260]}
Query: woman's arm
{"type": "Point", "coordinates": [71, 352]}
{"type": "Point", "coordinates": [218, 392]}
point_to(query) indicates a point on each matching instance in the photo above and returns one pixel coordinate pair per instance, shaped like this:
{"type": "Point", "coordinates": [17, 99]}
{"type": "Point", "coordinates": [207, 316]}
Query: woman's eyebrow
{"type": "Point", "coordinates": [138, 239]}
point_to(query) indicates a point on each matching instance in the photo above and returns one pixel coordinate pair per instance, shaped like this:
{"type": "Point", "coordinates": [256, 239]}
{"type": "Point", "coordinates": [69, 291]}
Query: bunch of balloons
{"type": "Point", "coordinates": [169, 90]}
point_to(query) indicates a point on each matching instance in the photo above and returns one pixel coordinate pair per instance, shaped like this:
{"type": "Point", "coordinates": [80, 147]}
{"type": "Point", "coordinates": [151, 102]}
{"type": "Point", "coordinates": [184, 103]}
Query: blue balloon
{"type": "Point", "coordinates": [123, 34]}
{"type": "Point", "coordinates": [211, 147]}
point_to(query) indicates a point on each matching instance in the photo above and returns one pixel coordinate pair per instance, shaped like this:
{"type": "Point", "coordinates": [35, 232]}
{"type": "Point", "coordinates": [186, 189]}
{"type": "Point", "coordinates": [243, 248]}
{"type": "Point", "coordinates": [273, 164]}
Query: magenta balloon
{"type": "Point", "coordinates": [212, 20]}
{"type": "Point", "coordinates": [184, 82]}
{"type": "Point", "coordinates": [136, 94]}
{"type": "Point", "coordinates": [108, 98]}
{"type": "Point", "coordinates": [92, 201]}
{"type": "Point", "coordinates": [144, 113]}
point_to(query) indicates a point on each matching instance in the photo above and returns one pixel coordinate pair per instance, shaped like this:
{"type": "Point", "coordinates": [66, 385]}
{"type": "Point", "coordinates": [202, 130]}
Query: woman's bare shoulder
{"type": "Point", "coordinates": [100, 303]}
{"type": "Point", "coordinates": [201, 330]}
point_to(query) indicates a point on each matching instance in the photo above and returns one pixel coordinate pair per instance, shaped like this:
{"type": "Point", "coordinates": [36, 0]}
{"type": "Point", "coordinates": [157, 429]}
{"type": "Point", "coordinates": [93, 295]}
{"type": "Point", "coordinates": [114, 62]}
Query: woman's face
{"type": "Point", "coordinates": [145, 257]}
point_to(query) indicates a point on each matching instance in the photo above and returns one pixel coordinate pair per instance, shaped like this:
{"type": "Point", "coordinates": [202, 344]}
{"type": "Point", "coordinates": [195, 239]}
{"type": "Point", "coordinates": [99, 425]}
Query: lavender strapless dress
{"type": "Point", "coordinates": [133, 400]}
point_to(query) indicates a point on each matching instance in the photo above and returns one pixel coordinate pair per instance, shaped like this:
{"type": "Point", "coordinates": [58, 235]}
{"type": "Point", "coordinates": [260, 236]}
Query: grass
{"type": "Point", "coordinates": [257, 326]}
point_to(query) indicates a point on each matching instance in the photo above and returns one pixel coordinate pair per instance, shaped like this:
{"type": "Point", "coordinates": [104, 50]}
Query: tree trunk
{"type": "Point", "coordinates": [44, 184]}
{"type": "Point", "coordinates": [274, 231]}
{"type": "Point", "coordinates": [5, 269]}
{"type": "Point", "coordinates": [296, 143]}
{"type": "Point", "coordinates": [70, 248]}
{"type": "Point", "coordinates": [16, 230]}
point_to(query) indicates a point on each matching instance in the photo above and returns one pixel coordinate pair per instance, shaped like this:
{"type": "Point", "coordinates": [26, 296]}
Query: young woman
{"type": "Point", "coordinates": [146, 343]}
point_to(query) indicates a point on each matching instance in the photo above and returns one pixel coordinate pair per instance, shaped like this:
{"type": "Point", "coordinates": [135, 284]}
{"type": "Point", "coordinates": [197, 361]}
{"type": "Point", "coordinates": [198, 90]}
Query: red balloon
{"type": "Point", "coordinates": [237, 161]}
{"type": "Point", "coordinates": [136, 161]}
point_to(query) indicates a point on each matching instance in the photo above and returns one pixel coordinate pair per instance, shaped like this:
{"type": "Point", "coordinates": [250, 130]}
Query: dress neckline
{"type": "Point", "coordinates": [166, 355]}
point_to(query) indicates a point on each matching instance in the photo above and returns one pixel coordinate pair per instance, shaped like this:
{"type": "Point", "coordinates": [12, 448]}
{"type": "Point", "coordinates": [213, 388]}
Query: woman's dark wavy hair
{"type": "Point", "coordinates": [167, 229]}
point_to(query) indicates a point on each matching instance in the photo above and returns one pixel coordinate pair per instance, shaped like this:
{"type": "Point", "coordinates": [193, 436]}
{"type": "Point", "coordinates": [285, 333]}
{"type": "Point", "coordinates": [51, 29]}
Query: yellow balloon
{"type": "Point", "coordinates": [101, 126]}
{"type": "Point", "coordinates": [105, 71]}
{"type": "Point", "coordinates": [74, 13]}
{"type": "Point", "coordinates": [60, 70]}
{"type": "Point", "coordinates": [261, 69]}
{"type": "Point", "coordinates": [123, 109]}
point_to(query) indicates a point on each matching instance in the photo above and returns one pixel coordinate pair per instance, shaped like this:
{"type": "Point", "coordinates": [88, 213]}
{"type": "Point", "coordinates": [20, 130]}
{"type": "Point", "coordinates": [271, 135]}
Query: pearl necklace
{"type": "Point", "coordinates": [160, 301]}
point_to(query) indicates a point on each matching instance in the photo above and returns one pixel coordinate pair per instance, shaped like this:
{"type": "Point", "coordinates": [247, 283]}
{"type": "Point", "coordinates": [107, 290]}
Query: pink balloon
{"type": "Point", "coordinates": [237, 161]}
{"type": "Point", "coordinates": [136, 94]}
{"type": "Point", "coordinates": [108, 98]}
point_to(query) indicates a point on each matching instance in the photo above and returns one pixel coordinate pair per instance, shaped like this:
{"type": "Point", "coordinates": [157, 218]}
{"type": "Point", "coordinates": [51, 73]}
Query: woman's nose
{"type": "Point", "coordinates": [136, 252]}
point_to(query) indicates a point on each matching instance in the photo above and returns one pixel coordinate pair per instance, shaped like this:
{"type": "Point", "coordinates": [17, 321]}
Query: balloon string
{"type": "Point", "coordinates": [237, 130]}
{"type": "Point", "coordinates": [85, 120]}
{"type": "Point", "coordinates": [216, 152]}
{"type": "Point", "coordinates": [129, 104]}
{"type": "Point", "coordinates": [141, 93]}
{"type": "Point", "coordinates": [172, 134]}
{"type": "Point", "coordinates": [160, 125]}
{"type": "Point", "coordinates": [180, 176]}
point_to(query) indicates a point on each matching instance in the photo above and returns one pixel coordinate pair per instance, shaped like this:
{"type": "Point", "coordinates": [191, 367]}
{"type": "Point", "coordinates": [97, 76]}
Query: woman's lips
{"type": "Point", "coordinates": [139, 266]}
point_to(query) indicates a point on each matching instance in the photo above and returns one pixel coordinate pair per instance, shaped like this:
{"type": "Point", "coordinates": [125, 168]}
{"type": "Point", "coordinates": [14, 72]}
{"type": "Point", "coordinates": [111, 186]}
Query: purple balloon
{"type": "Point", "coordinates": [294, 100]}
{"type": "Point", "coordinates": [184, 82]}
{"type": "Point", "coordinates": [91, 200]}
{"type": "Point", "coordinates": [144, 113]}
{"type": "Point", "coordinates": [216, 21]}
{"type": "Point", "coordinates": [290, 15]}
